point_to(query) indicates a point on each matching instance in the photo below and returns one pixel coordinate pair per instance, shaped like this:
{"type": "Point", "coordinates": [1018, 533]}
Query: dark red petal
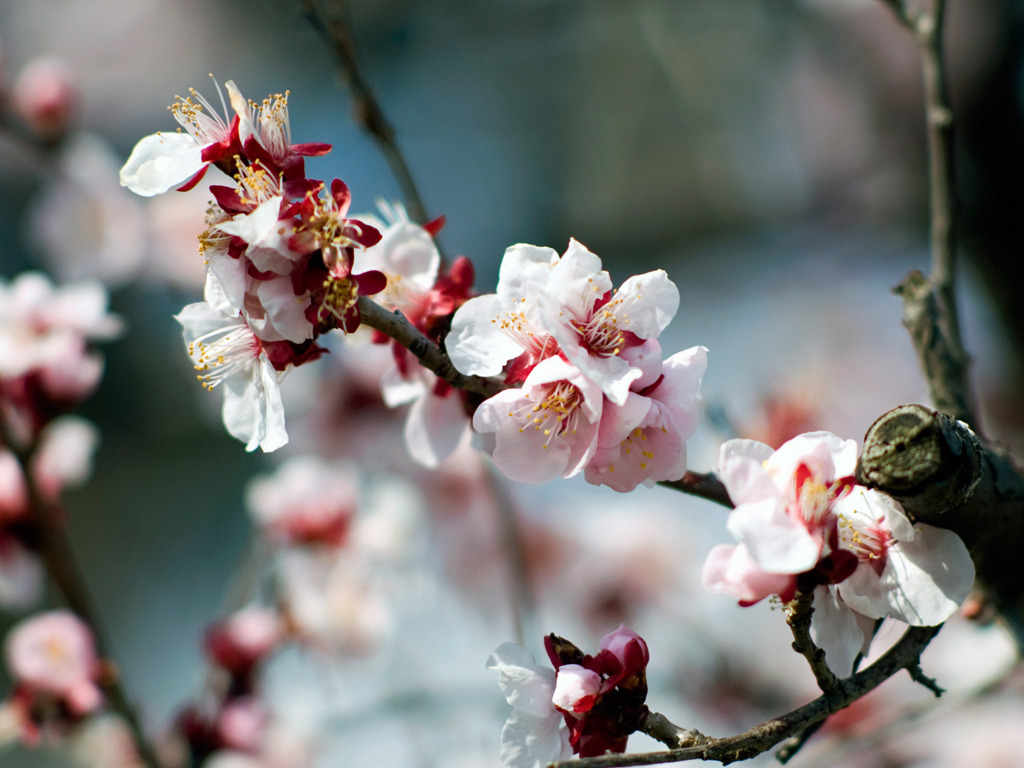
{"type": "Point", "coordinates": [341, 194]}
{"type": "Point", "coordinates": [435, 226]}
{"type": "Point", "coordinates": [370, 282]}
{"type": "Point", "coordinates": [310, 149]}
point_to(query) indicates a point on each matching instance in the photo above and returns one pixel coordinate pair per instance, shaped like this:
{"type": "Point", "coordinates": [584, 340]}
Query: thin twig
{"type": "Point", "coordinates": [798, 616]}
{"type": "Point", "coordinates": [336, 33]}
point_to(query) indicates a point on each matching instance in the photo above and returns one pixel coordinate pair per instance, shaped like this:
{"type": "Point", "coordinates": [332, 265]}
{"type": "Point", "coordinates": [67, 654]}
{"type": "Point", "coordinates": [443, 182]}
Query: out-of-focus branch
{"type": "Point", "coordinates": [59, 559]}
{"type": "Point", "coordinates": [929, 303]}
{"type": "Point", "coordinates": [906, 654]}
{"type": "Point", "coordinates": [330, 20]}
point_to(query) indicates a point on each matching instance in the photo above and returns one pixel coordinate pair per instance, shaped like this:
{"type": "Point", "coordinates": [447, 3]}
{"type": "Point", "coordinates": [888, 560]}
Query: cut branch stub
{"type": "Point", "coordinates": [945, 475]}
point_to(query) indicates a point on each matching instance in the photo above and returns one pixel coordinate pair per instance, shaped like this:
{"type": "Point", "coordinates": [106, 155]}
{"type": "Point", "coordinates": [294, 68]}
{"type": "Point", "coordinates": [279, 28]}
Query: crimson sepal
{"type": "Point", "coordinates": [214, 153]}
{"type": "Point", "coordinates": [282, 354]}
{"type": "Point", "coordinates": [229, 199]}
{"type": "Point", "coordinates": [364, 234]}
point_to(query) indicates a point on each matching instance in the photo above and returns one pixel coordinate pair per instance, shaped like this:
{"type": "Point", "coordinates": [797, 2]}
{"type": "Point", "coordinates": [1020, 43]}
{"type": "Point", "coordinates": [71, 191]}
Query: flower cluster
{"type": "Point", "coordinates": [596, 395]}
{"type": "Point", "coordinates": [279, 249]}
{"type": "Point", "coordinates": [587, 705]}
{"type": "Point", "coordinates": [803, 523]}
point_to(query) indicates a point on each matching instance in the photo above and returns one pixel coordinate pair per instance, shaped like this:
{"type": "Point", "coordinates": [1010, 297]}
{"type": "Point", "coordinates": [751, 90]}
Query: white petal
{"type": "Point", "coordinates": [161, 162]}
{"type": "Point", "coordinates": [533, 742]}
{"type": "Point", "coordinates": [433, 429]}
{"type": "Point", "coordinates": [775, 542]}
{"type": "Point", "coordinates": [476, 344]}
{"type": "Point", "coordinates": [285, 310]}
{"type": "Point", "coordinates": [524, 270]}
{"type": "Point", "coordinates": [573, 286]}
{"type": "Point", "coordinates": [837, 632]}
{"type": "Point", "coordinates": [526, 686]}
{"type": "Point", "coordinates": [928, 578]}
{"type": "Point", "coordinates": [650, 300]}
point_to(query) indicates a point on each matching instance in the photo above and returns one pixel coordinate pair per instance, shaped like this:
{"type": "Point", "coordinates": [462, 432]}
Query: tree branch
{"type": "Point", "coordinates": [905, 654]}
{"type": "Point", "coordinates": [54, 549]}
{"type": "Point", "coordinates": [944, 474]}
{"type": "Point", "coordinates": [705, 485]}
{"type": "Point", "coordinates": [431, 357]}
{"type": "Point", "coordinates": [798, 616]}
{"type": "Point", "coordinates": [930, 310]}
{"type": "Point", "coordinates": [335, 31]}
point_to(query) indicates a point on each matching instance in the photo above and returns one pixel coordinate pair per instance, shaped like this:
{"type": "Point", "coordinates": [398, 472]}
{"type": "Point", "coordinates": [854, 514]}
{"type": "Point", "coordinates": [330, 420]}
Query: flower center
{"type": "Point", "coordinates": [556, 414]}
{"type": "Point", "coordinates": [341, 297]}
{"type": "Point", "coordinates": [602, 334]}
{"type": "Point", "coordinates": [197, 116]}
{"type": "Point", "coordinates": [223, 352]}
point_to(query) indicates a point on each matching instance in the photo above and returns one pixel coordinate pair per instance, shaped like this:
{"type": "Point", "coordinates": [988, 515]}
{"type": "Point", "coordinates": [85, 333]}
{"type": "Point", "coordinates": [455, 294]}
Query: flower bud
{"type": "Point", "coordinates": [45, 96]}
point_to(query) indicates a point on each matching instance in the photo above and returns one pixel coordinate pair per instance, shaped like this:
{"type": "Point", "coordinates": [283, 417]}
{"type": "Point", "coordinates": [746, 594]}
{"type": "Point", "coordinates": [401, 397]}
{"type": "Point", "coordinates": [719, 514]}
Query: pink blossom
{"type": "Point", "coordinates": [644, 439]}
{"type": "Point", "coordinates": [546, 429]}
{"type": "Point", "coordinates": [489, 331]}
{"type": "Point", "coordinates": [535, 733]}
{"type": "Point", "coordinates": [164, 161]}
{"type": "Point", "coordinates": [52, 654]}
{"type": "Point", "coordinates": [919, 574]}
{"type": "Point", "coordinates": [244, 638]}
{"type": "Point", "coordinates": [307, 500]}
{"type": "Point", "coordinates": [594, 324]}
{"type": "Point", "coordinates": [784, 499]}
{"type": "Point", "coordinates": [227, 352]}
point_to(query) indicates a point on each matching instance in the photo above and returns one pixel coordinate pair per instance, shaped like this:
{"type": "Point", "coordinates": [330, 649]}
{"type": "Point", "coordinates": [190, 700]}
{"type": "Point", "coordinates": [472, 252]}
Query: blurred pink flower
{"type": "Point", "coordinates": [45, 96]}
{"type": "Point", "coordinates": [307, 500]}
{"type": "Point", "coordinates": [52, 655]}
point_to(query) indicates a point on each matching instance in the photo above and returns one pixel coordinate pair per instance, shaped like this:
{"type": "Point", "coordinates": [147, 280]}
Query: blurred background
{"type": "Point", "coordinates": [768, 153]}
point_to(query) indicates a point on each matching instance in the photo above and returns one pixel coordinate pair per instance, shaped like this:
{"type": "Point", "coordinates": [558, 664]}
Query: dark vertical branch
{"type": "Point", "coordinates": [59, 559]}
{"type": "Point", "coordinates": [929, 304]}
{"type": "Point", "coordinates": [333, 26]}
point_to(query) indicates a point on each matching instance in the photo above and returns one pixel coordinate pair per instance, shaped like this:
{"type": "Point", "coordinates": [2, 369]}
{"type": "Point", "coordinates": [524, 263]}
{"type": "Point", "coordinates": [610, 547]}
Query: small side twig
{"type": "Point", "coordinates": [921, 678]}
{"type": "Point", "coordinates": [706, 485]}
{"type": "Point", "coordinates": [798, 616]}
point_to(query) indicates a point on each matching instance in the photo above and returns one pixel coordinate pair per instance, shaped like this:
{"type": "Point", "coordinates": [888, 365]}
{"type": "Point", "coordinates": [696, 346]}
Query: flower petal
{"type": "Point", "coordinates": [160, 162]}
